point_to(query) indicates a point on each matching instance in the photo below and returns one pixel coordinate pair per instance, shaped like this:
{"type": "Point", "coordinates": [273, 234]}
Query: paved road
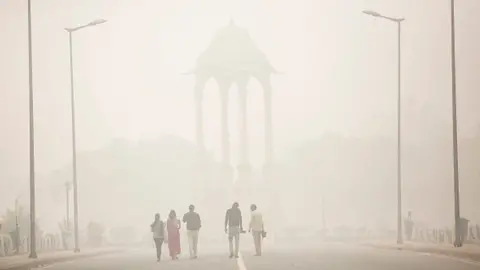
{"type": "Point", "coordinates": [336, 256]}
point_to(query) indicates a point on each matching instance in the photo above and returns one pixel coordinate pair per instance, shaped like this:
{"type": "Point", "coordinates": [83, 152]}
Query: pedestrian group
{"type": "Point", "coordinates": [169, 231]}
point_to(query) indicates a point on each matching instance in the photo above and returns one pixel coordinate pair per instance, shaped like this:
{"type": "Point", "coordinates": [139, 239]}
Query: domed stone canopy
{"type": "Point", "coordinates": [232, 52]}
{"type": "Point", "coordinates": [233, 57]}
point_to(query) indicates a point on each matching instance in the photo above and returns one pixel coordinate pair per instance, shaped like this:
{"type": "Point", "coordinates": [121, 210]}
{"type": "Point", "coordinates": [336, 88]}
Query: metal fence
{"type": "Point", "coordinates": [49, 242]}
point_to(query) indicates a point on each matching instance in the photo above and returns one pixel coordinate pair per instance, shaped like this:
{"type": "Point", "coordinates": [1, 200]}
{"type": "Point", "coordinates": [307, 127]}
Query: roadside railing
{"type": "Point", "coordinates": [49, 242]}
{"type": "Point", "coordinates": [440, 235]}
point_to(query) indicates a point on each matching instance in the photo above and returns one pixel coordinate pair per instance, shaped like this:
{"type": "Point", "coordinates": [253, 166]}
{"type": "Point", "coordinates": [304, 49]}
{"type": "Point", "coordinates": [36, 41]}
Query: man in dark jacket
{"type": "Point", "coordinates": [194, 223]}
{"type": "Point", "coordinates": [234, 226]}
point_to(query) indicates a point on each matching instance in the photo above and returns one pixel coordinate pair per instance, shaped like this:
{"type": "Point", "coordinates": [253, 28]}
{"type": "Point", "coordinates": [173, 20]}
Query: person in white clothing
{"type": "Point", "coordinates": [257, 229]}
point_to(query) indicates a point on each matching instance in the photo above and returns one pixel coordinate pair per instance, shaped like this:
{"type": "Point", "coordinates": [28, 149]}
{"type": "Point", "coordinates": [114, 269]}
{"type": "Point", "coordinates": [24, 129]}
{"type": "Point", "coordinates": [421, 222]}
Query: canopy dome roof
{"type": "Point", "coordinates": [232, 50]}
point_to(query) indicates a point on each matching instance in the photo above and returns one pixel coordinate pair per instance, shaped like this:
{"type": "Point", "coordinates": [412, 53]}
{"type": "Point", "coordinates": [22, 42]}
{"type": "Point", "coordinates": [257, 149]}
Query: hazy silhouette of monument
{"type": "Point", "coordinates": [232, 57]}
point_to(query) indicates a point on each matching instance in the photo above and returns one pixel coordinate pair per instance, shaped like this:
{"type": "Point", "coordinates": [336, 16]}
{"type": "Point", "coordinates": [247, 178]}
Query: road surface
{"type": "Point", "coordinates": [334, 256]}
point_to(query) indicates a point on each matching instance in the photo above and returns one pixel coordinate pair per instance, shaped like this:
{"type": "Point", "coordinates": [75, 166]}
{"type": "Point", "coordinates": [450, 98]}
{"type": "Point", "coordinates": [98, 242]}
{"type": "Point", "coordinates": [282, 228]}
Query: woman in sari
{"type": "Point", "coordinates": [173, 229]}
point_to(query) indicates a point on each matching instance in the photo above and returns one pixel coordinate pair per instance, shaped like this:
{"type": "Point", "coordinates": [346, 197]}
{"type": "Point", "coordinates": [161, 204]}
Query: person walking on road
{"type": "Point", "coordinates": [194, 223]}
{"type": "Point", "coordinates": [158, 229]}
{"type": "Point", "coordinates": [257, 228]}
{"type": "Point", "coordinates": [173, 229]}
{"type": "Point", "coordinates": [234, 226]}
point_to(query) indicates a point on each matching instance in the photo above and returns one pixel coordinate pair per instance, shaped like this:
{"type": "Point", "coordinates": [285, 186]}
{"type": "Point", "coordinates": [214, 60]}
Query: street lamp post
{"type": "Point", "coordinates": [33, 239]}
{"type": "Point", "coordinates": [324, 215]}
{"type": "Point", "coordinates": [74, 148]}
{"type": "Point", "coordinates": [68, 187]}
{"type": "Point", "coordinates": [17, 227]}
{"type": "Point", "coordinates": [398, 21]}
{"type": "Point", "coordinates": [456, 188]}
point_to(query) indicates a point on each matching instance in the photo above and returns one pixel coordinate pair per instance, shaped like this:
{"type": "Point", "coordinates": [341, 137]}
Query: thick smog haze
{"type": "Point", "coordinates": [334, 110]}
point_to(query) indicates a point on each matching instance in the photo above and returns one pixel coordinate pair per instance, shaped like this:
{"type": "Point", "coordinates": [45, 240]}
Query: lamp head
{"type": "Point", "coordinates": [372, 13]}
{"type": "Point", "coordinates": [96, 22]}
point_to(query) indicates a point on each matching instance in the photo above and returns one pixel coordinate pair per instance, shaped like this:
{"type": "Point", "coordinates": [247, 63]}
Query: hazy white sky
{"type": "Point", "coordinates": [339, 71]}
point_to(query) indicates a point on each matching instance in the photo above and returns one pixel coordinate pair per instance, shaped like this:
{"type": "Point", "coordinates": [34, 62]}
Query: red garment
{"type": "Point", "coordinates": [173, 230]}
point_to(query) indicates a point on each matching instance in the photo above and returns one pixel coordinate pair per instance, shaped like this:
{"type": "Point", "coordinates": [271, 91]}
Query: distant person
{"type": "Point", "coordinates": [409, 224]}
{"type": "Point", "coordinates": [194, 223]}
{"type": "Point", "coordinates": [158, 229]}
{"type": "Point", "coordinates": [257, 228]}
{"type": "Point", "coordinates": [173, 229]}
{"type": "Point", "coordinates": [234, 226]}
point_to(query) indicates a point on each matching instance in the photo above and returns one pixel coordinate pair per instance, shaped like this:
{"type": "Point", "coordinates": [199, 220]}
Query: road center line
{"type": "Point", "coordinates": [240, 262]}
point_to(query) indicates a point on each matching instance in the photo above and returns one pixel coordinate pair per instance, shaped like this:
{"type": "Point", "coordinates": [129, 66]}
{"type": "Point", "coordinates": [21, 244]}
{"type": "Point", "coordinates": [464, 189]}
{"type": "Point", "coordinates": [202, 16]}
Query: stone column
{"type": "Point", "coordinates": [224, 86]}
{"type": "Point", "coordinates": [244, 169]}
{"type": "Point", "coordinates": [202, 167]}
{"type": "Point", "coordinates": [269, 151]}
{"type": "Point", "coordinates": [198, 99]}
